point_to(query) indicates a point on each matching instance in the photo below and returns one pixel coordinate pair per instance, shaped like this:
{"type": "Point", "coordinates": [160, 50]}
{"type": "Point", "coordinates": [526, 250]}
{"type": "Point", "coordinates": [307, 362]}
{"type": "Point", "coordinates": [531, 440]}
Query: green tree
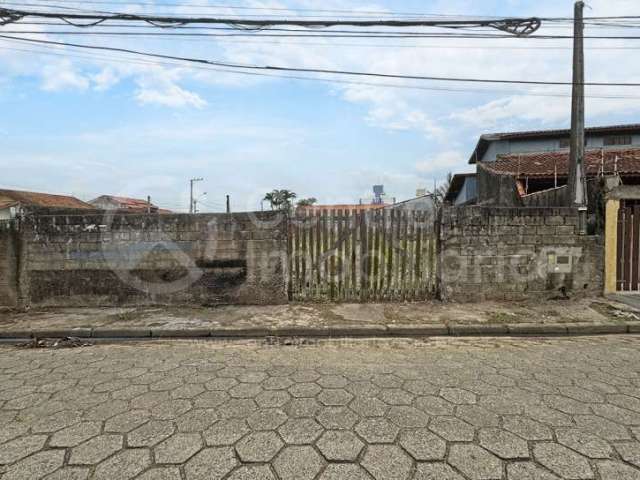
{"type": "Point", "coordinates": [307, 202]}
{"type": "Point", "coordinates": [280, 199]}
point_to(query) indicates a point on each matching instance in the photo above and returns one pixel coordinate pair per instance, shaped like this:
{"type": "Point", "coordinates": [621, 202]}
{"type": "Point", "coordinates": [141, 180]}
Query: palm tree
{"type": "Point", "coordinates": [280, 199]}
{"type": "Point", "coordinates": [307, 202]}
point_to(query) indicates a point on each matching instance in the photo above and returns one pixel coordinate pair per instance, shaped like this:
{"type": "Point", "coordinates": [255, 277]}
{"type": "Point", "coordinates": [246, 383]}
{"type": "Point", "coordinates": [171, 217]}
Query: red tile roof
{"type": "Point", "coordinates": [35, 199]}
{"type": "Point", "coordinates": [357, 207]}
{"type": "Point", "coordinates": [126, 203]}
{"type": "Point", "coordinates": [625, 161]}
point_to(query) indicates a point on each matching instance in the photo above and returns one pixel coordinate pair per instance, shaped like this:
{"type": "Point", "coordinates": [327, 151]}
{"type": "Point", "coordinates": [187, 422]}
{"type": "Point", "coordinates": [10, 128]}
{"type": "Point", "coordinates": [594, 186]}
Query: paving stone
{"type": "Point", "coordinates": [477, 415]}
{"type": "Point", "coordinates": [75, 434]}
{"type": "Point", "coordinates": [221, 384]}
{"type": "Point", "coordinates": [300, 431]}
{"type": "Point", "coordinates": [369, 407]}
{"type": "Point", "coordinates": [386, 381]}
{"type": "Point", "coordinates": [387, 462]}
{"type": "Point", "coordinates": [302, 407]}
{"type": "Point", "coordinates": [434, 406]}
{"type": "Point", "coordinates": [337, 397]}
{"type": "Point", "coordinates": [298, 463]}
{"type": "Point", "coordinates": [187, 391]}
{"type": "Point", "coordinates": [377, 430]}
{"type": "Point", "coordinates": [528, 471]}
{"type": "Point", "coordinates": [21, 447]}
{"type": "Point", "coordinates": [226, 432]}
{"type": "Point", "coordinates": [211, 464]}
{"type": "Point", "coordinates": [267, 419]}
{"type": "Point", "coordinates": [245, 390]}
{"type": "Point", "coordinates": [127, 421]}
{"type": "Point", "coordinates": [527, 428]}
{"type": "Point", "coordinates": [423, 445]}
{"type": "Point", "coordinates": [602, 427]}
{"type": "Point", "coordinates": [562, 461]}
{"type": "Point", "coordinates": [95, 450]}
{"type": "Point", "coordinates": [178, 448]}
{"type": "Point", "coordinates": [617, 414]}
{"type": "Point", "coordinates": [420, 387]}
{"type": "Point", "coordinates": [171, 409]}
{"type": "Point", "coordinates": [36, 466]}
{"type": "Point", "coordinates": [340, 446]}
{"type": "Point", "coordinates": [304, 390]}
{"type": "Point", "coordinates": [70, 473]}
{"type": "Point", "coordinates": [161, 473]}
{"type": "Point", "coordinates": [305, 376]}
{"type": "Point", "coordinates": [612, 470]}
{"type": "Point", "coordinates": [277, 383]}
{"type": "Point", "coordinates": [259, 447]}
{"type": "Point", "coordinates": [123, 465]}
{"type": "Point", "coordinates": [13, 430]}
{"type": "Point", "coordinates": [458, 396]}
{"type": "Point", "coordinates": [332, 381]}
{"type": "Point", "coordinates": [436, 471]}
{"type": "Point", "coordinates": [452, 429]}
{"type": "Point", "coordinates": [585, 443]}
{"type": "Point", "coordinates": [475, 462]}
{"type": "Point", "coordinates": [252, 377]}
{"type": "Point", "coordinates": [211, 399]}
{"type": "Point", "coordinates": [337, 418]}
{"type": "Point", "coordinates": [344, 471]}
{"type": "Point", "coordinates": [396, 396]}
{"type": "Point", "coordinates": [567, 405]}
{"type": "Point", "coordinates": [408, 417]}
{"type": "Point", "coordinates": [150, 433]}
{"type": "Point", "coordinates": [196, 420]}
{"type": "Point", "coordinates": [273, 399]}
{"type": "Point", "coordinates": [252, 472]}
{"type": "Point", "coordinates": [363, 389]}
{"type": "Point", "coordinates": [237, 408]}
{"type": "Point", "coordinates": [629, 452]}
{"type": "Point", "coordinates": [549, 416]}
{"type": "Point", "coordinates": [503, 444]}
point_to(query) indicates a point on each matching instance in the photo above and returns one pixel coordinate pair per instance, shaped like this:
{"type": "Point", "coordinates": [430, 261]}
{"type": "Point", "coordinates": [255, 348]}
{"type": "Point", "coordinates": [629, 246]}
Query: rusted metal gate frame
{"type": "Point", "coordinates": [347, 255]}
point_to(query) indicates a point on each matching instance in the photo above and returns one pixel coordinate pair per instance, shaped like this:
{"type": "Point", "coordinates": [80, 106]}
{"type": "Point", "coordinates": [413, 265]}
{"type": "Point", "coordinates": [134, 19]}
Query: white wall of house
{"type": "Point", "coordinates": [501, 147]}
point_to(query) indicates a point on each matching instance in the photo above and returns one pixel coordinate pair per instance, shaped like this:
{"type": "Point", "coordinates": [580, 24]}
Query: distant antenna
{"type": "Point", "coordinates": [378, 193]}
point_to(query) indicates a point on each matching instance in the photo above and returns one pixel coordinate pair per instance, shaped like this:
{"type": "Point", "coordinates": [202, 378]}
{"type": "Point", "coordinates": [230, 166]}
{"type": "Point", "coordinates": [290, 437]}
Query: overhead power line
{"type": "Point", "coordinates": [312, 70]}
{"type": "Point", "coordinates": [514, 26]}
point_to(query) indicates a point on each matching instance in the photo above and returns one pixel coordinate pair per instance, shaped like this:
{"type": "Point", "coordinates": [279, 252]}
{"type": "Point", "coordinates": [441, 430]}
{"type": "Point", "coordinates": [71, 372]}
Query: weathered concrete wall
{"type": "Point", "coordinates": [491, 253]}
{"type": "Point", "coordinates": [497, 190]}
{"type": "Point", "coordinates": [8, 264]}
{"type": "Point", "coordinates": [98, 259]}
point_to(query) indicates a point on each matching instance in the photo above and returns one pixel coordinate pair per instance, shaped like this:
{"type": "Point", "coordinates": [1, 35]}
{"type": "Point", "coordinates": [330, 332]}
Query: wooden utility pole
{"type": "Point", "coordinates": [228, 204]}
{"type": "Point", "coordinates": [191, 202]}
{"type": "Point", "coordinates": [577, 183]}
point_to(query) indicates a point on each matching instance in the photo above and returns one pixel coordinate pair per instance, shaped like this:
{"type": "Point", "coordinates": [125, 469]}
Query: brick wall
{"type": "Point", "coordinates": [517, 253]}
{"type": "Point", "coordinates": [8, 265]}
{"type": "Point", "coordinates": [209, 259]}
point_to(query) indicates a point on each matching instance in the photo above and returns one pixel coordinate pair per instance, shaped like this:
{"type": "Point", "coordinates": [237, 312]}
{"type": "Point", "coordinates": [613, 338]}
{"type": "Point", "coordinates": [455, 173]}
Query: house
{"type": "Point", "coordinates": [13, 202]}
{"type": "Point", "coordinates": [530, 146]}
{"type": "Point", "coordinates": [516, 179]}
{"type": "Point", "coordinates": [131, 205]}
{"type": "Point", "coordinates": [318, 209]}
{"type": "Point", "coordinates": [422, 202]}
{"type": "Point", "coordinates": [463, 189]}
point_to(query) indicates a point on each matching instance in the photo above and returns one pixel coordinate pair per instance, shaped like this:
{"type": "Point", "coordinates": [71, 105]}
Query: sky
{"type": "Point", "coordinates": [91, 123]}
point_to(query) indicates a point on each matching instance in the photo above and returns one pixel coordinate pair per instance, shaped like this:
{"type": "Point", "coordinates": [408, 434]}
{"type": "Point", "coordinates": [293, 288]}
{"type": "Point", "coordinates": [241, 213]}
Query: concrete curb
{"type": "Point", "coordinates": [338, 331]}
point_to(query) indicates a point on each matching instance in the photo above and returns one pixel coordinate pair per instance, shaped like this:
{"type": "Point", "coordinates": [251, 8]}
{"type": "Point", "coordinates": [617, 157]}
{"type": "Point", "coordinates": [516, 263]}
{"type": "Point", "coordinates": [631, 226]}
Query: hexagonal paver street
{"type": "Point", "coordinates": [432, 409]}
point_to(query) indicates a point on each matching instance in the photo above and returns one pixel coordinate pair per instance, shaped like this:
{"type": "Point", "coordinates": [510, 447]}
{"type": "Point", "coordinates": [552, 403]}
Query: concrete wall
{"type": "Point", "coordinates": [510, 254]}
{"type": "Point", "coordinates": [97, 259]}
{"type": "Point", "coordinates": [497, 190]}
{"type": "Point", "coordinates": [8, 265]}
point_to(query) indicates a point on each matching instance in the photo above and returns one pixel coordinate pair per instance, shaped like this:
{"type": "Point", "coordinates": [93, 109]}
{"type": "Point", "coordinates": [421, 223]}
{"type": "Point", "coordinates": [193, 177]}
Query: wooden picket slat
{"type": "Point", "coordinates": [377, 255]}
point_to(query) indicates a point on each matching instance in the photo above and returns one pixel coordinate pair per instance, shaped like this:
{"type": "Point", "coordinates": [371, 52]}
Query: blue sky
{"type": "Point", "coordinates": [90, 124]}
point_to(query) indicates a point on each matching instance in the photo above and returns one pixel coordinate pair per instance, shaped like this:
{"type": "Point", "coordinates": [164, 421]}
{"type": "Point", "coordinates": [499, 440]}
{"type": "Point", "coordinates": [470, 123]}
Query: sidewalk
{"type": "Point", "coordinates": [556, 317]}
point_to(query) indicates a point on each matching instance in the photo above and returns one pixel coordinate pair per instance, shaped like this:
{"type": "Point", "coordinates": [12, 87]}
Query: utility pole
{"type": "Point", "coordinates": [577, 183]}
{"type": "Point", "coordinates": [228, 204]}
{"type": "Point", "coordinates": [148, 203]}
{"type": "Point", "coordinates": [191, 204]}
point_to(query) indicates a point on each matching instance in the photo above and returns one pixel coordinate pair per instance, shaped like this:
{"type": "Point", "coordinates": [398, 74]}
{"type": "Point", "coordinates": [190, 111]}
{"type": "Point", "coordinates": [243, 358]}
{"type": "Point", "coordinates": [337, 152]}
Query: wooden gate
{"type": "Point", "coordinates": [377, 255]}
{"type": "Point", "coordinates": [628, 271]}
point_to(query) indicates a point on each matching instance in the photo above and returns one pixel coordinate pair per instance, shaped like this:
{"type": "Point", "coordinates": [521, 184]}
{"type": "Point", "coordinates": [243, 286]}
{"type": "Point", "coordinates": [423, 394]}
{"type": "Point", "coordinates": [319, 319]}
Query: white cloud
{"type": "Point", "coordinates": [105, 79]}
{"type": "Point", "coordinates": [446, 161]}
{"type": "Point", "coordinates": [166, 93]}
{"type": "Point", "coordinates": [62, 75]}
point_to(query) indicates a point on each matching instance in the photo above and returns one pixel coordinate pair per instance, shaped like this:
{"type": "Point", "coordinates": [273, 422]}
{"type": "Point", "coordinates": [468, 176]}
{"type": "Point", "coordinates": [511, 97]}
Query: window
{"type": "Point", "coordinates": [617, 140]}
